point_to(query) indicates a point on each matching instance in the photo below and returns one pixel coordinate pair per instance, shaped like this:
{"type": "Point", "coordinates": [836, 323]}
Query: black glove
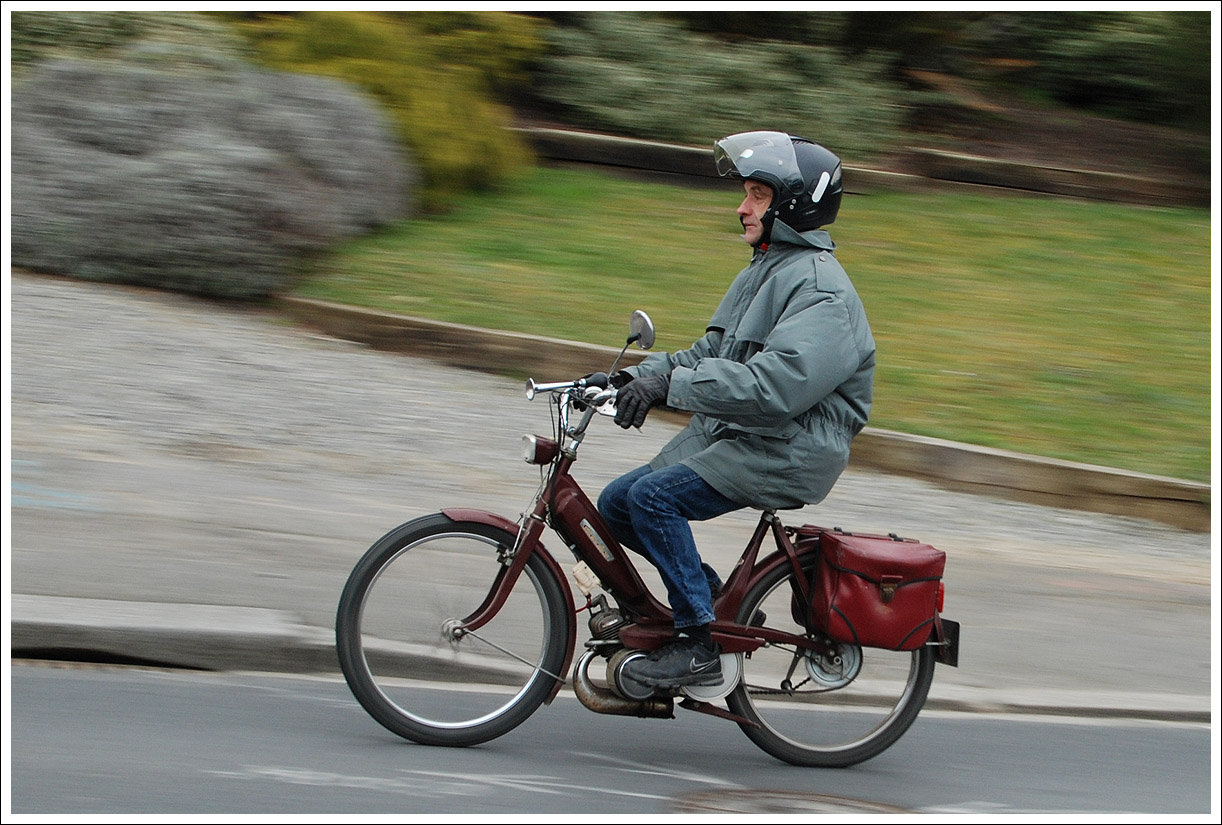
{"type": "Point", "coordinates": [620, 379]}
{"type": "Point", "coordinates": [640, 396]}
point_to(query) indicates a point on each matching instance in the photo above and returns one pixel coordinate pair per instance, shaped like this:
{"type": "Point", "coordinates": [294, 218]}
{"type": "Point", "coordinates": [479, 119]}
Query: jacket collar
{"type": "Point", "coordinates": [817, 238]}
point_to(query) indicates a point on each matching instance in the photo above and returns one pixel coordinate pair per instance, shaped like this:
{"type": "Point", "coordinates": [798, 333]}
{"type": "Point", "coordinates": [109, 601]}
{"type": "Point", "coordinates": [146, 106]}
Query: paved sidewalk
{"type": "Point", "coordinates": [192, 483]}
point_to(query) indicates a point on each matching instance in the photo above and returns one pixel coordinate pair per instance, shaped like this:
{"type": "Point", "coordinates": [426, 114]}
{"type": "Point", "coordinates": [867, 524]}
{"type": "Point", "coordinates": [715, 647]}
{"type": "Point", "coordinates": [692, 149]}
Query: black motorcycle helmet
{"type": "Point", "coordinates": [804, 177]}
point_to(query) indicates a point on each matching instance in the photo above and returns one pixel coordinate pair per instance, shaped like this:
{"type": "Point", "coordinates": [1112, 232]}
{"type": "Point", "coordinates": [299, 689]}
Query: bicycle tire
{"type": "Point", "coordinates": [417, 683]}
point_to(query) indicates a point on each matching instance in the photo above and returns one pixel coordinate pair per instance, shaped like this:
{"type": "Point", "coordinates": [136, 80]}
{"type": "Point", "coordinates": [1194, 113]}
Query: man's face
{"type": "Point", "coordinates": [751, 210]}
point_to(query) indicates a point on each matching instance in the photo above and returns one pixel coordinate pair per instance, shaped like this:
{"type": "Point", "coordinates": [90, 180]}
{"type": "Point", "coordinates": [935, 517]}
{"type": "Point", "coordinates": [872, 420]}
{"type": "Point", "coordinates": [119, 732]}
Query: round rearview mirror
{"type": "Point", "coordinates": [641, 328]}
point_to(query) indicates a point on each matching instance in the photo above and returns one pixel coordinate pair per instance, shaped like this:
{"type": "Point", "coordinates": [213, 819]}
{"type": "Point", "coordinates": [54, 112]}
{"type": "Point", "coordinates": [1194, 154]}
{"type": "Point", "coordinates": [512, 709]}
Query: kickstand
{"type": "Point", "coordinates": [713, 710]}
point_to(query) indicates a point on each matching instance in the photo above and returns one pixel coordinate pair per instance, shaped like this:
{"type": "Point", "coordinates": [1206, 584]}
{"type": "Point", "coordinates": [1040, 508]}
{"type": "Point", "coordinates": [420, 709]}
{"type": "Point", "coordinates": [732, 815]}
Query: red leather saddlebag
{"type": "Point", "coordinates": [876, 591]}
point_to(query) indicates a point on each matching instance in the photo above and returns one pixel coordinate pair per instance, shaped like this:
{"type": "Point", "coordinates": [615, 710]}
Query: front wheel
{"type": "Point", "coordinates": [400, 657]}
{"type": "Point", "coordinates": [824, 711]}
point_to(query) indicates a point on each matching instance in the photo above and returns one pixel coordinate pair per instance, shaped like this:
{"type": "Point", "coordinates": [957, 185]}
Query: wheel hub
{"type": "Point", "coordinates": [837, 668]}
{"type": "Point", "coordinates": [452, 631]}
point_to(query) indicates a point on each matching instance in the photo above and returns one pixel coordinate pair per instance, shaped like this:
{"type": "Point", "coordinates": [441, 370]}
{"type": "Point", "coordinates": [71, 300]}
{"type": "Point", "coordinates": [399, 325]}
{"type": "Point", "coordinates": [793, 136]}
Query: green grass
{"type": "Point", "coordinates": [1074, 330]}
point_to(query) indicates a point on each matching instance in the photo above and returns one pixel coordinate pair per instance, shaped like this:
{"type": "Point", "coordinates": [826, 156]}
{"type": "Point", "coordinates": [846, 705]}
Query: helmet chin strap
{"type": "Point", "coordinates": [766, 221]}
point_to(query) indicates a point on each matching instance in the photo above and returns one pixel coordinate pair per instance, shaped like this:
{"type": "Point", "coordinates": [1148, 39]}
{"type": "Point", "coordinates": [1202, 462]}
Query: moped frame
{"type": "Point", "coordinates": [564, 506]}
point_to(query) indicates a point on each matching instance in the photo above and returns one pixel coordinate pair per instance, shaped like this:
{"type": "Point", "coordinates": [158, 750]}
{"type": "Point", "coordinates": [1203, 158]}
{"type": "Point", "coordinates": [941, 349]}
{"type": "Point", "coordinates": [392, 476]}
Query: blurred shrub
{"type": "Point", "coordinates": [1151, 66]}
{"type": "Point", "coordinates": [437, 74]}
{"type": "Point", "coordinates": [42, 35]}
{"type": "Point", "coordinates": [500, 46]}
{"type": "Point", "coordinates": [645, 76]}
{"type": "Point", "coordinates": [812, 28]}
{"type": "Point", "coordinates": [213, 182]}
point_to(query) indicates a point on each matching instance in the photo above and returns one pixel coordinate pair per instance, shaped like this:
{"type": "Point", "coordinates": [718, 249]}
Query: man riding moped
{"type": "Point", "coordinates": [778, 387]}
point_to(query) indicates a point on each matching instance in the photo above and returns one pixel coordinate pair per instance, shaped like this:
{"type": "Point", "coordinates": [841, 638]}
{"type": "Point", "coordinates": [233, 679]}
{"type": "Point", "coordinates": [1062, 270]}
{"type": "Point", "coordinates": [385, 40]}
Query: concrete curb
{"type": "Point", "coordinates": [937, 171]}
{"type": "Point", "coordinates": [1035, 480]}
{"type": "Point", "coordinates": [218, 638]}
{"type": "Point", "coordinates": [1077, 183]}
{"type": "Point", "coordinates": [690, 165]}
{"type": "Point", "coordinates": [199, 636]}
{"type": "Point", "coordinates": [967, 468]}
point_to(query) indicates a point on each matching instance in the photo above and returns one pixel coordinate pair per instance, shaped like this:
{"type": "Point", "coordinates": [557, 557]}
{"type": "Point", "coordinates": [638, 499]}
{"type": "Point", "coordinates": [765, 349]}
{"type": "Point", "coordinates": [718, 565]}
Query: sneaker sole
{"type": "Point", "coordinates": [683, 681]}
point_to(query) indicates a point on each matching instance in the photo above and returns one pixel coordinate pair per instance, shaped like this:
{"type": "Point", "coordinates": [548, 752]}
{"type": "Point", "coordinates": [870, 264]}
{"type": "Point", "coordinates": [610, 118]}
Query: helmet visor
{"type": "Point", "coordinates": [766, 156]}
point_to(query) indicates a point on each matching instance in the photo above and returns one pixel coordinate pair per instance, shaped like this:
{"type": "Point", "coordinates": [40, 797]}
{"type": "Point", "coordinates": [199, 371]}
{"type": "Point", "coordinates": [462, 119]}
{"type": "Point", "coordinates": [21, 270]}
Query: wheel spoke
{"type": "Point", "coordinates": [510, 653]}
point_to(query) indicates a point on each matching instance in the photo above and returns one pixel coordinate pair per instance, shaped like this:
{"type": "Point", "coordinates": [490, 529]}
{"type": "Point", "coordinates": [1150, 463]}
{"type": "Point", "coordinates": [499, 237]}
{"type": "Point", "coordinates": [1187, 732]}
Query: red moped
{"type": "Point", "coordinates": [455, 627]}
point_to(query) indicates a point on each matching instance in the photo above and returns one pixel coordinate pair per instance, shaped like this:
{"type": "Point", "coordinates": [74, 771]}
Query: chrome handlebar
{"type": "Point", "coordinates": [594, 399]}
{"type": "Point", "coordinates": [532, 388]}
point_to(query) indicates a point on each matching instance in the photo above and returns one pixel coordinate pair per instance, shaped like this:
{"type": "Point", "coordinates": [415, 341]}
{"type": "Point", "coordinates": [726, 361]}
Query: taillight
{"type": "Point", "coordinates": [538, 450]}
{"type": "Point", "coordinates": [941, 595]}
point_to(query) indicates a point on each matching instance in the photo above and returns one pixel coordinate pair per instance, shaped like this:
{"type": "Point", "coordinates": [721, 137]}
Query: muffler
{"type": "Point", "coordinates": [602, 700]}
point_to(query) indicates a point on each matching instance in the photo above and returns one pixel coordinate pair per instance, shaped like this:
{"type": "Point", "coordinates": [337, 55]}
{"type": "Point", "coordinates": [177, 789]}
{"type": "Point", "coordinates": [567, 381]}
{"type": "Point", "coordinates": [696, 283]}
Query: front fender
{"type": "Point", "coordinates": [480, 517]}
{"type": "Point", "coordinates": [464, 514]}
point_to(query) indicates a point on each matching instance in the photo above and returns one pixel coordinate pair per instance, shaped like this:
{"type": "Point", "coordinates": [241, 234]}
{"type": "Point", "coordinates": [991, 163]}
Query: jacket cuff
{"type": "Point", "coordinates": [680, 393]}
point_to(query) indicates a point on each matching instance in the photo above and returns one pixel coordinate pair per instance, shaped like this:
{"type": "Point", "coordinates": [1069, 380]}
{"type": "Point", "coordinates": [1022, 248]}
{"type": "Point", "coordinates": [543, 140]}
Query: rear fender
{"type": "Point", "coordinates": [462, 514]}
{"type": "Point", "coordinates": [773, 560]}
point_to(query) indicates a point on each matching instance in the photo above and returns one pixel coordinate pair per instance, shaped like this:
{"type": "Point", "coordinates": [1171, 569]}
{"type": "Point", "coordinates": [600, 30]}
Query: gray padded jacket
{"type": "Point", "coordinates": [780, 383]}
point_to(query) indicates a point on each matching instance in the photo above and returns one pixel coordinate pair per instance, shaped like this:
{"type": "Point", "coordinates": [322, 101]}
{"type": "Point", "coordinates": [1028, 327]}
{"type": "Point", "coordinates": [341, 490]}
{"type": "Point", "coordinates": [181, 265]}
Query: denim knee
{"type": "Point", "coordinates": [613, 500]}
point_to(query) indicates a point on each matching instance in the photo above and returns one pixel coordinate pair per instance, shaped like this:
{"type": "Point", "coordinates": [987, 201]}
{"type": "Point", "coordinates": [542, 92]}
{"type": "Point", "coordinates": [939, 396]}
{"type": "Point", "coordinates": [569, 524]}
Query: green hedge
{"type": "Point", "coordinates": [43, 35]}
{"type": "Point", "coordinates": [1145, 66]}
{"type": "Point", "coordinates": [643, 75]}
{"type": "Point", "coordinates": [436, 74]}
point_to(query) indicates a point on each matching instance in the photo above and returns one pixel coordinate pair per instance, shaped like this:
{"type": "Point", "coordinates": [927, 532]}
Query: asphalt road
{"type": "Point", "coordinates": [120, 741]}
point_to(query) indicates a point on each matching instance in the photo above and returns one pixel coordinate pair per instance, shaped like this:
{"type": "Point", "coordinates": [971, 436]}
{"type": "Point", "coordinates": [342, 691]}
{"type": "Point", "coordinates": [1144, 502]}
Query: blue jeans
{"type": "Point", "coordinates": [648, 512]}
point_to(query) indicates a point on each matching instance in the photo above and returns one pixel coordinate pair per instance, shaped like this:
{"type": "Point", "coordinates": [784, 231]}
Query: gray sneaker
{"type": "Point", "coordinates": [684, 661]}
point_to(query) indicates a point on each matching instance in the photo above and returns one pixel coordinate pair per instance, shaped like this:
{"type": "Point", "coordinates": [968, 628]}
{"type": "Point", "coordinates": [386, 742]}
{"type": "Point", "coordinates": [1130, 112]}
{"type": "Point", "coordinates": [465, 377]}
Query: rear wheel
{"type": "Point", "coordinates": [402, 660]}
{"type": "Point", "coordinates": [824, 711]}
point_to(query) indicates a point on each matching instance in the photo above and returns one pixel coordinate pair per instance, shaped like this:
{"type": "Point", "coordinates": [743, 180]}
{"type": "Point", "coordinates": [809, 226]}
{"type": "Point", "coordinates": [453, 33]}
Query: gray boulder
{"type": "Point", "coordinates": [219, 182]}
